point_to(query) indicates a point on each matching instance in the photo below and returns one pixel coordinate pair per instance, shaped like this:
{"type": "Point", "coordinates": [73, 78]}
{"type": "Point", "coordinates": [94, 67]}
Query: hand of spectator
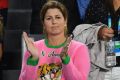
{"type": "Point", "coordinates": [105, 33]}
{"type": "Point", "coordinates": [30, 46]}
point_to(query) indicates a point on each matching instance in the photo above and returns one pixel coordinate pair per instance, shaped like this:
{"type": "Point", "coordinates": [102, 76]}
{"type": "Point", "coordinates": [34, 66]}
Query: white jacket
{"type": "Point", "coordinates": [88, 34]}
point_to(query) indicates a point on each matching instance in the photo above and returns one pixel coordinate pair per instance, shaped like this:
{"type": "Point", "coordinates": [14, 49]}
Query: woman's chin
{"type": "Point", "coordinates": [55, 33]}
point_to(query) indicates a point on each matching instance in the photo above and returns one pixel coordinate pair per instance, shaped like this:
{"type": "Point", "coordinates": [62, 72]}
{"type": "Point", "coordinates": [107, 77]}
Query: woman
{"type": "Point", "coordinates": [56, 57]}
{"type": "Point", "coordinates": [73, 17]}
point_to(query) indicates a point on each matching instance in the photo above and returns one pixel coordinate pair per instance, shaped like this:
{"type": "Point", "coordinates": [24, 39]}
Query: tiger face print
{"type": "Point", "coordinates": [49, 72]}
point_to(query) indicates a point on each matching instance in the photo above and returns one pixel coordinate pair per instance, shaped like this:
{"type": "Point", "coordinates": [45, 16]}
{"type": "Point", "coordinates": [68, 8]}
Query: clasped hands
{"type": "Point", "coordinates": [33, 50]}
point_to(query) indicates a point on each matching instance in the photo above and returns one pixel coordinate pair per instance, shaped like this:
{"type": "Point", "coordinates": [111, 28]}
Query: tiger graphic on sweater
{"type": "Point", "coordinates": [49, 72]}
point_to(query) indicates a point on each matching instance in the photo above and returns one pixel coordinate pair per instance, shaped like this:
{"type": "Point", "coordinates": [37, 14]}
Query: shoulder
{"type": "Point", "coordinates": [76, 44]}
{"type": "Point", "coordinates": [77, 47]}
{"type": "Point", "coordinates": [39, 42]}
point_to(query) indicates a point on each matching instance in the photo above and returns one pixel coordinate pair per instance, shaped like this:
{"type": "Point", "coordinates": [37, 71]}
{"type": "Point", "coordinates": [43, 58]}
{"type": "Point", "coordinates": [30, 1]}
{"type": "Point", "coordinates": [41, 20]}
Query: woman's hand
{"type": "Point", "coordinates": [30, 46]}
{"type": "Point", "coordinates": [106, 33]}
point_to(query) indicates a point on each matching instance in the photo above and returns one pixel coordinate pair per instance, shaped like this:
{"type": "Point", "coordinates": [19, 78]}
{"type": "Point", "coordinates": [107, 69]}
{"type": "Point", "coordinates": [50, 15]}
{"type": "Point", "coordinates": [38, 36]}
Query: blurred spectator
{"type": "Point", "coordinates": [3, 10]}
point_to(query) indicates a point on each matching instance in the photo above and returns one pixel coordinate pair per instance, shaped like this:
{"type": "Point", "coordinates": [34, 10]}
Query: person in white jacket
{"type": "Point", "coordinates": [94, 36]}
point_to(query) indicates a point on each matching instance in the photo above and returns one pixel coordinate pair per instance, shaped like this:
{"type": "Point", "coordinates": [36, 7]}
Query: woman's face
{"type": "Point", "coordinates": [54, 22]}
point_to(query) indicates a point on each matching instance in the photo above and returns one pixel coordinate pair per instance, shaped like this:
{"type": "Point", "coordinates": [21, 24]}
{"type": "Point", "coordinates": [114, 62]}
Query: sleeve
{"type": "Point", "coordinates": [79, 66]}
{"type": "Point", "coordinates": [32, 62]}
{"type": "Point", "coordinates": [27, 71]}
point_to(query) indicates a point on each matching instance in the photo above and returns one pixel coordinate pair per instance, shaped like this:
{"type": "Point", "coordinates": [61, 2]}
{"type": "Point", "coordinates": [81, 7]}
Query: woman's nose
{"type": "Point", "coordinates": [53, 20]}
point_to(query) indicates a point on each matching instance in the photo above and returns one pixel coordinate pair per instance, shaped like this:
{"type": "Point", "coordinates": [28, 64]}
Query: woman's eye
{"type": "Point", "coordinates": [48, 18]}
{"type": "Point", "coordinates": [58, 17]}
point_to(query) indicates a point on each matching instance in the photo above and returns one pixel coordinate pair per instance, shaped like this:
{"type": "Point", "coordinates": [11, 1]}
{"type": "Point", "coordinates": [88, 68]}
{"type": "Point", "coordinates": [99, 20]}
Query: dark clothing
{"type": "Point", "coordinates": [96, 12]}
{"type": "Point", "coordinates": [73, 14]}
{"type": "Point", "coordinates": [4, 12]}
{"type": "Point", "coordinates": [0, 39]}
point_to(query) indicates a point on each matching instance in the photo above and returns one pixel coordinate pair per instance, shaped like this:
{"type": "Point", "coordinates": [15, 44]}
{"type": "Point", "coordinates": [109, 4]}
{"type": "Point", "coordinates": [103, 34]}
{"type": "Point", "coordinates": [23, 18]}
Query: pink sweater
{"type": "Point", "coordinates": [50, 67]}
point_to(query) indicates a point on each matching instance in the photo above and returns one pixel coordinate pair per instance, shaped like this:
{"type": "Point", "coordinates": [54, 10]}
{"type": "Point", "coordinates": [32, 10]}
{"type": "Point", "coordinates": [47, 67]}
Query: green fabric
{"type": "Point", "coordinates": [117, 44]}
{"type": "Point", "coordinates": [32, 62]}
{"type": "Point", "coordinates": [66, 60]}
{"type": "Point", "coordinates": [50, 46]}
